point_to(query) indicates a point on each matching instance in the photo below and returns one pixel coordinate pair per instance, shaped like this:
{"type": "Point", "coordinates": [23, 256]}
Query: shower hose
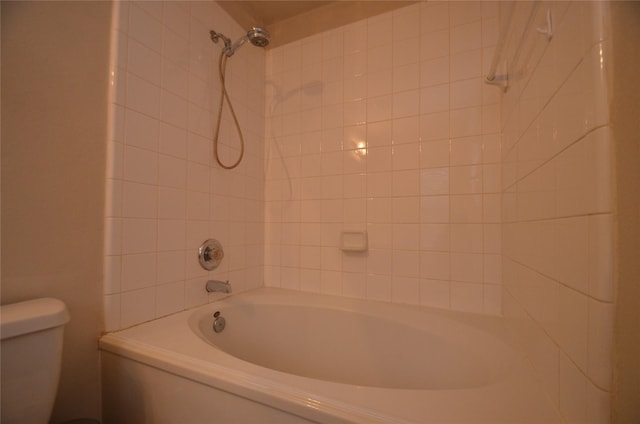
{"type": "Point", "coordinates": [224, 96]}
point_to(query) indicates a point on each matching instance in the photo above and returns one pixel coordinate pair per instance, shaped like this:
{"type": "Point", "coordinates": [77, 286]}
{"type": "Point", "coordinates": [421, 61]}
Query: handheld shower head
{"type": "Point", "coordinates": [257, 36]}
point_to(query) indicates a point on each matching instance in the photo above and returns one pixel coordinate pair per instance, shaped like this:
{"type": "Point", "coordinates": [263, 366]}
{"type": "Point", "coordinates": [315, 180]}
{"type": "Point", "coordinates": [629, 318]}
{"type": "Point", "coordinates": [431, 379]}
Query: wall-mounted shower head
{"type": "Point", "coordinates": [257, 36]}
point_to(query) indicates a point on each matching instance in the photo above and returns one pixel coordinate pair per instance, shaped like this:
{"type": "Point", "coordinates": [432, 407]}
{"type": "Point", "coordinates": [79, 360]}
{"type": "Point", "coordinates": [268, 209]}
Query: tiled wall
{"type": "Point", "coordinates": [382, 126]}
{"type": "Point", "coordinates": [557, 206]}
{"type": "Point", "coordinates": [165, 195]}
{"type": "Point", "coordinates": [385, 126]}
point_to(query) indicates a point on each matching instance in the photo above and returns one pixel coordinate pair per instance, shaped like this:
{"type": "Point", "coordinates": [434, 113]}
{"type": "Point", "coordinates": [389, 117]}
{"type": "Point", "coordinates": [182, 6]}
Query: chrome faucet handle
{"type": "Point", "coordinates": [210, 254]}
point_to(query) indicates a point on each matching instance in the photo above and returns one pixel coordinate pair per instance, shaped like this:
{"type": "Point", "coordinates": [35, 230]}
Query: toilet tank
{"type": "Point", "coordinates": [31, 353]}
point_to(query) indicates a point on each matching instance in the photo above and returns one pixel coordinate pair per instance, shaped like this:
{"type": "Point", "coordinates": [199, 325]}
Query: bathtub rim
{"type": "Point", "coordinates": [299, 398]}
{"type": "Point", "coordinates": [255, 388]}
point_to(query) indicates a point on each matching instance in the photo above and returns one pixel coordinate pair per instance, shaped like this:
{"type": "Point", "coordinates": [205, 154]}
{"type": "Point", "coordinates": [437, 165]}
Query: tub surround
{"type": "Point", "coordinates": [384, 126]}
{"type": "Point", "coordinates": [165, 196]}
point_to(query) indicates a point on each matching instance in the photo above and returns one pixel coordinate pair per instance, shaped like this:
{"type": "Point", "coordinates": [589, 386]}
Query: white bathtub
{"type": "Point", "coordinates": [290, 357]}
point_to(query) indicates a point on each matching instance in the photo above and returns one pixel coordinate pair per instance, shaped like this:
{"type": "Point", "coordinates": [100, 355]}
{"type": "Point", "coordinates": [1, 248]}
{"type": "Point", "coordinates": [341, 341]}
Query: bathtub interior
{"type": "Point", "coordinates": [411, 349]}
{"type": "Point", "coordinates": [472, 374]}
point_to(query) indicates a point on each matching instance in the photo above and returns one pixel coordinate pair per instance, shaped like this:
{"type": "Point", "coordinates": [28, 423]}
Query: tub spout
{"type": "Point", "coordinates": [218, 286]}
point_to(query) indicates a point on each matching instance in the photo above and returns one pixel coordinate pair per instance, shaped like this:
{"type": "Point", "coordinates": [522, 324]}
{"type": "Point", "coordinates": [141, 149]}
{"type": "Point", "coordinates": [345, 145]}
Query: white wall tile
{"type": "Point", "coordinates": [138, 271]}
{"type": "Point", "coordinates": [171, 266]}
{"type": "Point", "coordinates": [465, 179]}
{"type": "Point", "coordinates": [434, 154]}
{"type": "Point", "coordinates": [112, 274]}
{"type": "Point", "coordinates": [467, 267]}
{"type": "Point", "coordinates": [435, 293]}
{"type": "Point", "coordinates": [435, 266]}
{"type": "Point", "coordinates": [434, 44]}
{"type": "Point", "coordinates": [406, 209]}
{"type": "Point", "coordinates": [466, 37]}
{"type": "Point", "coordinates": [144, 62]}
{"type": "Point", "coordinates": [169, 298]}
{"type": "Point", "coordinates": [466, 150]}
{"type": "Point", "coordinates": [434, 126]}
{"type": "Point", "coordinates": [573, 392]}
{"type": "Point", "coordinates": [331, 282]}
{"type": "Point", "coordinates": [406, 183]}
{"type": "Point", "coordinates": [466, 65]}
{"type": "Point", "coordinates": [434, 99]}
{"type": "Point", "coordinates": [434, 71]}
{"type": "Point", "coordinates": [406, 77]}
{"type": "Point", "coordinates": [144, 28]}
{"type": "Point", "coordinates": [466, 208]}
{"type": "Point", "coordinates": [143, 96]}
{"type": "Point", "coordinates": [466, 122]}
{"type": "Point", "coordinates": [139, 201]}
{"type": "Point", "coordinates": [601, 257]}
{"type": "Point", "coordinates": [466, 93]}
{"type": "Point", "coordinates": [137, 306]}
{"type": "Point", "coordinates": [406, 263]}
{"type": "Point", "coordinates": [467, 238]}
{"type": "Point", "coordinates": [464, 12]}
{"type": "Point", "coordinates": [139, 236]}
{"type": "Point", "coordinates": [141, 130]}
{"type": "Point", "coordinates": [405, 290]}
{"type": "Point", "coordinates": [434, 16]}
{"type": "Point", "coordinates": [600, 339]}
{"type": "Point", "coordinates": [467, 296]}
{"type": "Point", "coordinates": [112, 306]}
{"type": "Point", "coordinates": [379, 287]}
{"type": "Point", "coordinates": [434, 209]}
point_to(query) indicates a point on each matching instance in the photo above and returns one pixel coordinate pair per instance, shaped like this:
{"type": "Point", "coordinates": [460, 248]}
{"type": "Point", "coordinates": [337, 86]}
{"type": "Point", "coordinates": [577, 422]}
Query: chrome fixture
{"type": "Point", "coordinates": [218, 322]}
{"type": "Point", "coordinates": [257, 36]}
{"type": "Point", "coordinates": [505, 65]}
{"type": "Point", "coordinates": [210, 254]}
{"type": "Point", "coordinates": [217, 286]}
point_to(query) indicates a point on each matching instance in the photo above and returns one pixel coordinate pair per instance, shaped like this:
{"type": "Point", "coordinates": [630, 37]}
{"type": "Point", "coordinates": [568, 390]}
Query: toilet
{"type": "Point", "coordinates": [31, 353]}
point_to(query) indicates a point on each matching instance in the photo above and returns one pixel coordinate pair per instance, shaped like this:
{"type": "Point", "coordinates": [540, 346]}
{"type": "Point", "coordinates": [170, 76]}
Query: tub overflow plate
{"type": "Point", "coordinates": [218, 322]}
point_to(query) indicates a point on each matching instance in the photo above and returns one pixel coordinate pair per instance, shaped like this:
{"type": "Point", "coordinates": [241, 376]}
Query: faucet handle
{"type": "Point", "coordinates": [210, 254]}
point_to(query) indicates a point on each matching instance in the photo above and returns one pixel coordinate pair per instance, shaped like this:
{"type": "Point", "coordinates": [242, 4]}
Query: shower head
{"type": "Point", "coordinates": [257, 36]}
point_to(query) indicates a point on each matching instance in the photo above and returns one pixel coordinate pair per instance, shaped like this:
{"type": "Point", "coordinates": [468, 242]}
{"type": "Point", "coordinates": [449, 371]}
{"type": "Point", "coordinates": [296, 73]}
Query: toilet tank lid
{"type": "Point", "coordinates": [31, 316]}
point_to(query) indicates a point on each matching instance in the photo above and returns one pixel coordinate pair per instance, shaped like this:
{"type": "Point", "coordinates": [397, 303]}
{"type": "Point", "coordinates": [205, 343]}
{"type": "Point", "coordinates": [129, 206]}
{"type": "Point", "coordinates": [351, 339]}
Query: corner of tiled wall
{"type": "Point", "coordinates": [557, 207]}
{"type": "Point", "coordinates": [164, 194]}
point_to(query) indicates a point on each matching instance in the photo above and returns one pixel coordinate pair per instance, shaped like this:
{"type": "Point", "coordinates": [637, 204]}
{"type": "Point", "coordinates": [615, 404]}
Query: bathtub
{"type": "Point", "coordinates": [292, 357]}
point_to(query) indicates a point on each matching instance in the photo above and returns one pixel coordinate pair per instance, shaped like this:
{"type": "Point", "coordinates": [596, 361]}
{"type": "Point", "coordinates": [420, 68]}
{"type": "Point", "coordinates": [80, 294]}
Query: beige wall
{"type": "Point", "coordinates": [625, 97]}
{"type": "Point", "coordinates": [54, 107]}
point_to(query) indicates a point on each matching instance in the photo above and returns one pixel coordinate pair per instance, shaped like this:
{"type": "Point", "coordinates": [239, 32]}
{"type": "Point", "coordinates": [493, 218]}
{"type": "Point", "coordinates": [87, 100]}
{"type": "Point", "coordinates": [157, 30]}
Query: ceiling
{"type": "Point", "coordinates": [291, 20]}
